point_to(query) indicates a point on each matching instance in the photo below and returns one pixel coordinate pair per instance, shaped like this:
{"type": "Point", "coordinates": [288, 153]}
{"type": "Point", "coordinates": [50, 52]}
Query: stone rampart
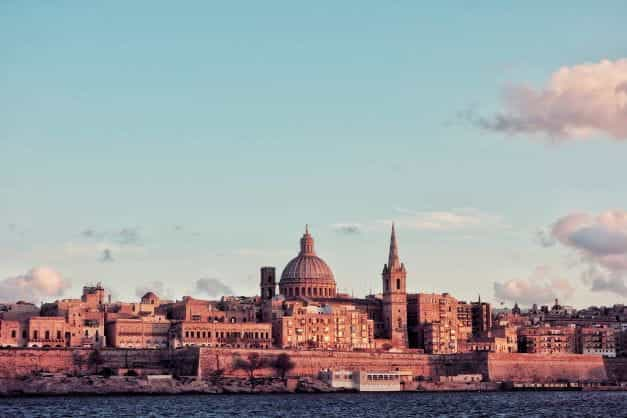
{"type": "Point", "coordinates": [309, 363]}
{"type": "Point", "coordinates": [518, 367]}
{"type": "Point", "coordinates": [16, 362]}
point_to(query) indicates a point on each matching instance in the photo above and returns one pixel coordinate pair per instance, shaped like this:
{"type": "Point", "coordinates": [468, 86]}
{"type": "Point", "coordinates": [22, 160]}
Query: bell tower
{"type": "Point", "coordinates": [395, 296]}
{"type": "Point", "coordinates": [267, 283]}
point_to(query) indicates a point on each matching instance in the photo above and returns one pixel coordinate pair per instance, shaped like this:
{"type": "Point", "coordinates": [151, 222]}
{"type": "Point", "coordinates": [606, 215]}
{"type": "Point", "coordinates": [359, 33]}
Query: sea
{"type": "Point", "coordinates": [347, 405]}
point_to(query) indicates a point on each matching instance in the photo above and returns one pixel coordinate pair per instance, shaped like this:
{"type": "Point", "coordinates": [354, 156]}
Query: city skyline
{"type": "Point", "coordinates": [183, 160]}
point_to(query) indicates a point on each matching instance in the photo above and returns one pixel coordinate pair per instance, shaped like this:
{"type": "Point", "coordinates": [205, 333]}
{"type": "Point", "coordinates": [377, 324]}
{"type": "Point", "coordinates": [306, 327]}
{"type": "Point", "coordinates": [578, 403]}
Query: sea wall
{"type": "Point", "coordinates": [309, 363]}
{"type": "Point", "coordinates": [201, 362]}
{"type": "Point", "coordinates": [16, 362]}
{"type": "Point", "coordinates": [518, 367]}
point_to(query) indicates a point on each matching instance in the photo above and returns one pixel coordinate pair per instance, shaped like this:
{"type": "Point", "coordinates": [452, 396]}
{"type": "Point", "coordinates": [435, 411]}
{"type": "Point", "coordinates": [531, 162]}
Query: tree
{"type": "Point", "coordinates": [252, 363]}
{"type": "Point", "coordinates": [79, 361]}
{"type": "Point", "coordinates": [95, 360]}
{"type": "Point", "coordinates": [283, 364]}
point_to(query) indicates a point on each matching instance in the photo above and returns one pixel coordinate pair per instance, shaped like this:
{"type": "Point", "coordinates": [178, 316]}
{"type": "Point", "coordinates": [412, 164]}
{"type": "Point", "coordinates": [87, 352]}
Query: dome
{"type": "Point", "coordinates": [307, 274]}
{"type": "Point", "coordinates": [150, 299]}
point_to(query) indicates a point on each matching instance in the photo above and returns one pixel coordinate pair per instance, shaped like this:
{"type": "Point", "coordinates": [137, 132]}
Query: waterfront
{"type": "Point", "coordinates": [503, 404]}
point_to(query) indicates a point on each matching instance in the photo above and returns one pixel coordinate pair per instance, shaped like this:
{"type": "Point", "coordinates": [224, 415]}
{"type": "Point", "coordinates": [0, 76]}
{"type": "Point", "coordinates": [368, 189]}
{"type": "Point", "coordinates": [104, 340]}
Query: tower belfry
{"type": "Point", "coordinates": [395, 296]}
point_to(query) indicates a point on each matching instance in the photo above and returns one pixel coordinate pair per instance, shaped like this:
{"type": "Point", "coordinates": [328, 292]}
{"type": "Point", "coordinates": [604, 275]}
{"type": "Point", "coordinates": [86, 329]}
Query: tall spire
{"type": "Point", "coordinates": [393, 261]}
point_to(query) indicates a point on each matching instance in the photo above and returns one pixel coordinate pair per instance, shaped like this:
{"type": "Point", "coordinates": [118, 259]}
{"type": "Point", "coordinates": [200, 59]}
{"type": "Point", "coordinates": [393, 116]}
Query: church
{"type": "Point", "coordinates": [308, 312]}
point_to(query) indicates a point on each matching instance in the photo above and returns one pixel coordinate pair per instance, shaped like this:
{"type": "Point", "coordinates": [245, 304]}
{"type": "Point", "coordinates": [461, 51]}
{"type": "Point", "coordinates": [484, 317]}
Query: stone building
{"type": "Point", "coordinates": [546, 339]}
{"type": "Point", "coordinates": [84, 317]}
{"type": "Point", "coordinates": [433, 324]}
{"type": "Point", "coordinates": [13, 333]}
{"type": "Point", "coordinates": [323, 326]}
{"type": "Point", "coordinates": [215, 334]}
{"type": "Point", "coordinates": [600, 340]}
{"type": "Point", "coordinates": [47, 332]}
{"type": "Point", "coordinates": [141, 332]}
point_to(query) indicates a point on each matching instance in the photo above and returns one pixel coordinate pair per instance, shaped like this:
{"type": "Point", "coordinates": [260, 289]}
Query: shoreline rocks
{"type": "Point", "coordinates": [126, 385]}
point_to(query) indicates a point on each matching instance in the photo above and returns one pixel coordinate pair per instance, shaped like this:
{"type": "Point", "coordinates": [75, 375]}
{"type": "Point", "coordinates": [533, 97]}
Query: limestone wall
{"type": "Point", "coordinates": [201, 362]}
{"type": "Point", "coordinates": [309, 363]}
{"type": "Point", "coordinates": [520, 367]}
{"type": "Point", "coordinates": [16, 362]}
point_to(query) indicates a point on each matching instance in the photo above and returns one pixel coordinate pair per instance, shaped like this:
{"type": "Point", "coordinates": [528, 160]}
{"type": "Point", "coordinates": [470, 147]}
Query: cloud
{"type": "Point", "coordinates": [105, 243]}
{"type": "Point", "coordinates": [455, 219]}
{"type": "Point", "coordinates": [213, 287]}
{"type": "Point", "coordinates": [577, 102]}
{"type": "Point", "coordinates": [538, 288]}
{"type": "Point", "coordinates": [124, 236]}
{"type": "Point", "coordinates": [128, 236]}
{"type": "Point", "coordinates": [347, 228]}
{"type": "Point", "coordinates": [600, 241]}
{"type": "Point", "coordinates": [601, 280]}
{"type": "Point", "coordinates": [544, 238]}
{"type": "Point", "coordinates": [157, 287]}
{"type": "Point", "coordinates": [36, 285]}
{"type": "Point", "coordinates": [92, 234]}
{"type": "Point", "coordinates": [106, 256]}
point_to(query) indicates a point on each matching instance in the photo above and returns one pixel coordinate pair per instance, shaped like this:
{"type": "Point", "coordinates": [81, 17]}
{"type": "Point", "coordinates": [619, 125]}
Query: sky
{"type": "Point", "coordinates": [180, 147]}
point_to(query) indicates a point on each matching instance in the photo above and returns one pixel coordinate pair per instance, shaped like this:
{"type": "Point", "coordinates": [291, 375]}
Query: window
{"type": "Point", "coordinates": [398, 284]}
{"type": "Point", "coordinates": [13, 333]}
{"type": "Point", "coordinates": [35, 335]}
{"type": "Point", "coordinates": [58, 335]}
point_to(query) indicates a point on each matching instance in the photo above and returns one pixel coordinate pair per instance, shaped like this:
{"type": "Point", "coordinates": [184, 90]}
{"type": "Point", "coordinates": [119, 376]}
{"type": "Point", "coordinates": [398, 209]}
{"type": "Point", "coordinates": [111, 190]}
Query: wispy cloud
{"type": "Point", "coordinates": [106, 256]}
{"type": "Point", "coordinates": [212, 287]}
{"type": "Point", "coordinates": [577, 102]}
{"type": "Point", "coordinates": [103, 243]}
{"type": "Point", "coordinates": [157, 287]}
{"type": "Point", "coordinates": [456, 219]}
{"type": "Point", "coordinates": [347, 228]}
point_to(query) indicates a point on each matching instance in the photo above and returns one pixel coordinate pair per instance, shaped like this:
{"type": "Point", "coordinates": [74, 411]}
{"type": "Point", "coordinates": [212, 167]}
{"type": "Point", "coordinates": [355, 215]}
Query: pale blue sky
{"type": "Point", "coordinates": [216, 131]}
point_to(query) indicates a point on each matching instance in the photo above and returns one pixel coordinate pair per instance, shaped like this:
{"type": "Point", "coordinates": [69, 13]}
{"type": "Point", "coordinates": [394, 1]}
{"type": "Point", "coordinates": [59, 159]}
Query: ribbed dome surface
{"type": "Point", "coordinates": [307, 267]}
{"type": "Point", "coordinates": [307, 274]}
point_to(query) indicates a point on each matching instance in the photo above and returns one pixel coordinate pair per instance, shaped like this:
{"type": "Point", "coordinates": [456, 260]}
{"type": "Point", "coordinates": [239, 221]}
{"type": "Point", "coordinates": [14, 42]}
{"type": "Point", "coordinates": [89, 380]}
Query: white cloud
{"type": "Point", "coordinates": [577, 102]}
{"type": "Point", "coordinates": [539, 288]}
{"type": "Point", "coordinates": [41, 283]}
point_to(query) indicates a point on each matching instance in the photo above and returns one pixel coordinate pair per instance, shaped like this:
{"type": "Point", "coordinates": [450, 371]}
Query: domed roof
{"type": "Point", "coordinates": [307, 266]}
{"type": "Point", "coordinates": [150, 296]}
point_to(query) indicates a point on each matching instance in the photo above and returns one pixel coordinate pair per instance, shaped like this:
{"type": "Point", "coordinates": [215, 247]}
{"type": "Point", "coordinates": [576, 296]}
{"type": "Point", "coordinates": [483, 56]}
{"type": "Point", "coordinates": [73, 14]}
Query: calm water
{"type": "Point", "coordinates": [520, 404]}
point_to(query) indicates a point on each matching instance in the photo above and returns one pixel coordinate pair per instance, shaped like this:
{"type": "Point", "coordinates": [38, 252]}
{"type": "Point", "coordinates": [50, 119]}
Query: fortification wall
{"type": "Point", "coordinates": [520, 367]}
{"type": "Point", "coordinates": [201, 362]}
{"type": "Point", "coordinates": [309, 363]}
{"type": "Point", "coordinates": [15, 362]}
{"type": "Point", "coordinates": [616, 369]}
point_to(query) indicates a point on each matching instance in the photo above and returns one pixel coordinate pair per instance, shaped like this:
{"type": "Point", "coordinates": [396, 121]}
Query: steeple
{"type": "Point", "coordinates": [307, 243]}
{"type": "Point", "coordinates": [393, 260]}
